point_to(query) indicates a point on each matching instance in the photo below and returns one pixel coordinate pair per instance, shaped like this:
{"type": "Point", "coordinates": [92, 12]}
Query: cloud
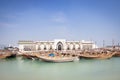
{"type": "Point", "coordinates": [59, 17]}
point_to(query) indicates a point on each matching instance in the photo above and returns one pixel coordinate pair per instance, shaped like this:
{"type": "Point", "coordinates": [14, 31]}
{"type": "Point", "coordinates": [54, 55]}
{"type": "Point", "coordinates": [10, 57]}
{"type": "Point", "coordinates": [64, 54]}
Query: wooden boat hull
{"type": "Point", "coordinates": [97, 56]}
{"type": "Point", "coordinates": [56, 60]}
{"type": "Point", "coordinates": [117, 54]}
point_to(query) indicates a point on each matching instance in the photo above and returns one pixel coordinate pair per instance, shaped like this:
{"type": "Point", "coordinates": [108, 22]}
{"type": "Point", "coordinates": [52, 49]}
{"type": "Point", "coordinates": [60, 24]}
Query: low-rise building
{"type": "Point", "coordinates": [57, 44]}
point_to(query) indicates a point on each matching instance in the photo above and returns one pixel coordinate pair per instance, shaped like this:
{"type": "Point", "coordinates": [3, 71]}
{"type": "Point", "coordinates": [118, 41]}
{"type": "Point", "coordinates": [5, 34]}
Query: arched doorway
{"type": "Point", "coordinates": [59, 46]}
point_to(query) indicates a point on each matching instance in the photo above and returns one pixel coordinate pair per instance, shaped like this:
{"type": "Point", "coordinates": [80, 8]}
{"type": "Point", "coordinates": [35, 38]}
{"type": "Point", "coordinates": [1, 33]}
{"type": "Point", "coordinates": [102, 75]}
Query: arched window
{"type": "Point", "coordinates": [50, 47]}
{"type": "Point", "coordinates": [78, 48]}
{"type": "Point", "coordinates": [39, 48]}
{"type": "Point", "coordinates": [68, 48]}
{"type": "Point", "coordinates": [44, 47]}
{"type": "Point", "coordinates": [73, 47]}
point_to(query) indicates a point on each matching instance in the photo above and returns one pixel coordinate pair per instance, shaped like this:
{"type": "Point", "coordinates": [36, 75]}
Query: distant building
{"type": "Point", "coordinates": [11, 48]}
{"type": "Point", "coordinates": [57, 44]}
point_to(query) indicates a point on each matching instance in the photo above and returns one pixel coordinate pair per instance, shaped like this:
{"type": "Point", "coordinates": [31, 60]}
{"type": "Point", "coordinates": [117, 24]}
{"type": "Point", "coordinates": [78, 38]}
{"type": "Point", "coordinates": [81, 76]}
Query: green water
{"type": "Point", "coordinates": [23, 69]}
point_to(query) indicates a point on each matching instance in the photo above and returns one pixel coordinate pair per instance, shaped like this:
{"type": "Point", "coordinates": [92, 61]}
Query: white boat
{"type": "Point", "coordinates": [56, 59]}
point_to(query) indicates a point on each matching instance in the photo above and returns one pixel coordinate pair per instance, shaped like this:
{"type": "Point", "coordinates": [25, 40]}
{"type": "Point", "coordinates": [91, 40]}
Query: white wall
{"type": "Point", "coordinates": [54, 45]}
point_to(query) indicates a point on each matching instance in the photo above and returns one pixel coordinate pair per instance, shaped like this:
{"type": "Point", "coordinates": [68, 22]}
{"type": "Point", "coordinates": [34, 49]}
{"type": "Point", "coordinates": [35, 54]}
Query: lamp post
{"type": "Point", "coordinates": [113, 44]}
{"type": "Point", "coordinates": [103, 43]}
{"type": "Point", "coordinates": [118, 46]}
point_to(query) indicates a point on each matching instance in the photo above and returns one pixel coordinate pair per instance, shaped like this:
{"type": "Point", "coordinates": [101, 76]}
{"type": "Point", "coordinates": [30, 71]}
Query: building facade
{"type": "Point", "coordinates": [57, 44]}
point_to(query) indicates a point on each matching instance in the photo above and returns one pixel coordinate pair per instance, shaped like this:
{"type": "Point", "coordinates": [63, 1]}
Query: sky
{"type": "Point", "coordinates": [95, 20]}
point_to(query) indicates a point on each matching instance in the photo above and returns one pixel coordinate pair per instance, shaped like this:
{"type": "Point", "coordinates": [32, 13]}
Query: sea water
{"type": "Point", "coordinates": [85, 69]}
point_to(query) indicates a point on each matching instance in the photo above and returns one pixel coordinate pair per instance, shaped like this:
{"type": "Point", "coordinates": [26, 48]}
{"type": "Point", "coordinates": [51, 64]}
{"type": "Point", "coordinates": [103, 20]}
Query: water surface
{"type": "Point", "coordinates": [24, 69]}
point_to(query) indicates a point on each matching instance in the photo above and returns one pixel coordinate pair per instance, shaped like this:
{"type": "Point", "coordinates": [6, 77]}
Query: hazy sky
{"type": "Point", "coordinates": [96, 20]}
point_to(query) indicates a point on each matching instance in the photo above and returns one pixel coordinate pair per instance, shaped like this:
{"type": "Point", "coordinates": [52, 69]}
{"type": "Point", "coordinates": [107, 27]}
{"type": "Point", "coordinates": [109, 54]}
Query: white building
{"type": "Point", "coordinates": [57, 44]}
